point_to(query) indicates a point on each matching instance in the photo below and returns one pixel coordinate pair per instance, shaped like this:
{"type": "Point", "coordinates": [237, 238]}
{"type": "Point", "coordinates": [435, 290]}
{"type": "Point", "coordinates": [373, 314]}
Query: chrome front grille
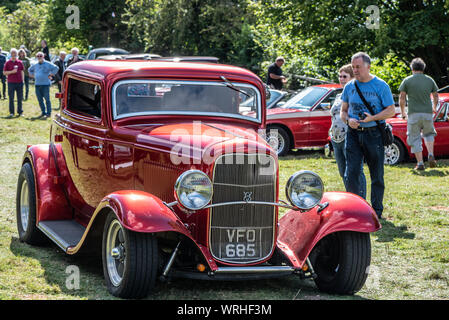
{"type": "Point", "coordinates": [243, 233]}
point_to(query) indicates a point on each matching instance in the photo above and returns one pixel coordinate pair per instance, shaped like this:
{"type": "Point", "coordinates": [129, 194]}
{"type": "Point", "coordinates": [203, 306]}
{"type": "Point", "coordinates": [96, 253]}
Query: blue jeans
{"type": "Point", "coordinates": [27, 86]}
{"type": "Point", "coordinates": [340, 157]}
{"type": "Point", "coordinates": [43, 92]}
{"type": "Point", "coordinates": [366, 145]}
{"type": "Point", "coordinates": [16, 88]}
{"type": "Point", "coordinates": [3, 80]}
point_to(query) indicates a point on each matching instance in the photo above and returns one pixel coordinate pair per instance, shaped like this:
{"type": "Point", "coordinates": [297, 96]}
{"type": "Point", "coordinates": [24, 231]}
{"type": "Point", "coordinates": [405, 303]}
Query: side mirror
{"type": "Point", "coordinates": [323, 106]}
{"type": "Point", "coordinates": [267, 92]}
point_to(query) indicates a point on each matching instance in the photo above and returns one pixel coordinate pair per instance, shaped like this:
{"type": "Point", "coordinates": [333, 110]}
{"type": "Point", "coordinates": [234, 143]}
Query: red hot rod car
{"type": "Point", "coordinates": [159, 167]}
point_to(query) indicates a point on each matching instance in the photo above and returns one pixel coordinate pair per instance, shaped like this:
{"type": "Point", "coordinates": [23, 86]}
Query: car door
{"type": "Point", "coordinates": [83, 132]}
{"type": "Point", "coordinates": [441, 145]}
{"type": "Point", "coordinates": [320, 119]}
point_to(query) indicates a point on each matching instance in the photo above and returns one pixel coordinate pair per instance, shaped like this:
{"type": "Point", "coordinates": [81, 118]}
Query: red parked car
{"type": "Point", "coordinates": [159, 168]}
{"type": "Point", "coordinates": [400, 150]}
{"type": "Point", "coordinates": [304, 120]}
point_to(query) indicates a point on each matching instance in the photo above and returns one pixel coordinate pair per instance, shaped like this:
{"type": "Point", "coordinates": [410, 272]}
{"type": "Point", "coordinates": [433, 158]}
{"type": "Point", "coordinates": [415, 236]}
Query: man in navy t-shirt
{"type": "Point", "coordinates": [364, 139]}
{"type": "Point", "coordinates": [275, 78]}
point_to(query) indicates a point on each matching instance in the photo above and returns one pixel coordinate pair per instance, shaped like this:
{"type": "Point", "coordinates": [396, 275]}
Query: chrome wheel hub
{"type": "Point", "coordinates": [24, 206]}
{"type": "Point", "coordinates": [392, 154]}
{"type": "Point", "coordinates": [276, 141]}
{"type": "Point", "coordinates": [115, 253]}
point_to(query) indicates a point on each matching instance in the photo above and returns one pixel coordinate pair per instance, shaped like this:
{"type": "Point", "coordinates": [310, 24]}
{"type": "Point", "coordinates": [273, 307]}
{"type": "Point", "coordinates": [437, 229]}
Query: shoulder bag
{"type": "Point", "coordinates": [385, 129]}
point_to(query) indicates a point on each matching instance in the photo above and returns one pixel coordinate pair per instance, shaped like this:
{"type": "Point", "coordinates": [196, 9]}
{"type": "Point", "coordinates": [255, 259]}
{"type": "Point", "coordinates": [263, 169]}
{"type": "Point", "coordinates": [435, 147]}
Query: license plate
{"type": "Point", "coordinates": [240, 243]}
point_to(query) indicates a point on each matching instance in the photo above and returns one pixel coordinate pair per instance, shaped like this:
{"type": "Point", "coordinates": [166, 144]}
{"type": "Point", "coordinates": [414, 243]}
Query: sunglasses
{"type": "Point", "coordinates": [40, 56]}
{"type": "Point", "coordinates": [343, 76]}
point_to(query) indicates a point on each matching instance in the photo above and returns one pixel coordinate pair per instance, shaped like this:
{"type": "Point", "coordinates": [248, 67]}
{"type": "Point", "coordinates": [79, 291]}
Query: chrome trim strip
{"type": "Point", "coordinates": [274, 269]}
{"type": "Point", "coordinates": [276, 204]}
{"type": "Point", "coordinates": [53, 237]}
{"type": "Point", "coordinates": [241, 185]}
{"type": "Point", "coordinates": [298, 114]}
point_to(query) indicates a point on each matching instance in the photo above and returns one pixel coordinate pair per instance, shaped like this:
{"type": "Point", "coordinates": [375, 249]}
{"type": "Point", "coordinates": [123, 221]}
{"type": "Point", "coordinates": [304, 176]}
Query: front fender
{"type": "Point", "coordinates": [140, 211]}
{"type": "Point", "coordinates": [299, 232]}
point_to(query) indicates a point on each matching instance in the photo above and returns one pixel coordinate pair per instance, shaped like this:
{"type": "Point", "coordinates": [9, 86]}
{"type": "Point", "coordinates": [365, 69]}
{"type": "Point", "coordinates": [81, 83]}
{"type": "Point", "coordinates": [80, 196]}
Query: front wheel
{"type": "Point", "coordinates": [130, 260]}
{"type": "Point", "coordinates": [341, 262]}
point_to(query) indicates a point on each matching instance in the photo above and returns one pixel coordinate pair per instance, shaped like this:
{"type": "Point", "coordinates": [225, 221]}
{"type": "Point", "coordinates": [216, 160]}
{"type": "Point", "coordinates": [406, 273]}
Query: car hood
{"type": "Point", "coordinates": [198, 139]}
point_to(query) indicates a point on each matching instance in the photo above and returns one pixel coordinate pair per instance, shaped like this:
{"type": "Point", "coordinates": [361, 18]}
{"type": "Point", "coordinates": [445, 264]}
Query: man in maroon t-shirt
{"type": "Point", "coordinates": [13, 69]}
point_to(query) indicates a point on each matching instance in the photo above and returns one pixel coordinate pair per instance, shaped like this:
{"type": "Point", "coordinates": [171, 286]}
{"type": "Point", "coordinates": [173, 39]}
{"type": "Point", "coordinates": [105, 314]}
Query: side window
{"type": "Point", "coordinates": [443, 114]}
{"type": "Point", "coordinates": [84, 98]}
{"type": "Point", "coordinates": [331, 98]}
{"type": "Point", "coordinates": [327, 102]}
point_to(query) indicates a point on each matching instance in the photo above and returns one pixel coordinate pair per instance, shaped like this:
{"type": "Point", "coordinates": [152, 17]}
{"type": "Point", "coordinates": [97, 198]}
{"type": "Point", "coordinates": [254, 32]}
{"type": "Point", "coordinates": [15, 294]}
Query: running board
{"type": "Point", "coordinates": [65, 233]}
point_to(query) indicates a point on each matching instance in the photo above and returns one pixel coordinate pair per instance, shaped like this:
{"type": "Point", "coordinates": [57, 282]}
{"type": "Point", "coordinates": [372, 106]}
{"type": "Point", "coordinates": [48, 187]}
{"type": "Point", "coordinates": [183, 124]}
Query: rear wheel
{"type": "Point", "coordinates": [130, 260]}
{"type": "Point", "coordinates": [279, 140]}
{"type": "Point", "coordinates": [394, 153]}
{"type": "Point", "coordinates": [341, 262]}
{"type": "Point", "coordinates": [26, 208]}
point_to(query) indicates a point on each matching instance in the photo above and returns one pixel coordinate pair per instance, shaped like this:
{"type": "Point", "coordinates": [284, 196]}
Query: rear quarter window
{"type": "Point", "coordinates": [84, 98]}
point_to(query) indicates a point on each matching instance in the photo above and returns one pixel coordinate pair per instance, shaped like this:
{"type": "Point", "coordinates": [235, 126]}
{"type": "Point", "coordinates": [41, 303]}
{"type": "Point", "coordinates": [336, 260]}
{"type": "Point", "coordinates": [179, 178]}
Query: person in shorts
{"type": "Point", "coordinates": [417, 89]}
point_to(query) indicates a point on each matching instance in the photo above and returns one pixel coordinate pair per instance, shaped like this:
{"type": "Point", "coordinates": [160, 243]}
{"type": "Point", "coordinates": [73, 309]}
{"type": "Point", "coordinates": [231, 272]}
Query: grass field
{"type": "Point", "coordinates": [410, 255]}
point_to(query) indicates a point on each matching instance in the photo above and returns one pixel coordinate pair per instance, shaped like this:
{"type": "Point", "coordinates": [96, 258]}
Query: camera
{"type": "Point", "coordinates": [362, 116]}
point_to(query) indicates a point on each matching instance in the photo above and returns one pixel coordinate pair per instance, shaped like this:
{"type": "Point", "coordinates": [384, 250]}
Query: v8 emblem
{"type": "Point", "coordinates": [247, 196]}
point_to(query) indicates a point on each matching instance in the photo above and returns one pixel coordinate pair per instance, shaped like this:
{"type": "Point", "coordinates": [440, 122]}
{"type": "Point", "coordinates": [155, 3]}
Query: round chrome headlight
{"type": "Point", "coordinates": [304, 189]}
{"type": "Point", "coordinates": [193, 189]}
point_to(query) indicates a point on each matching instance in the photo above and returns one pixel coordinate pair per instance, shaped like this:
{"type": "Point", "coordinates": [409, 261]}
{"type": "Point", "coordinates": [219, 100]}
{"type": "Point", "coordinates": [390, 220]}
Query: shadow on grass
{"type": "Point", "coordinates": [298, 154]}
{"type": "Point", "coordinates": [92, 286]}
{"type": "Point", "coordinates": [56, 263]}
{"type": "Point", "coordinates": [390, 231]}
{"type": "Point", "coordinates": [431, 173]}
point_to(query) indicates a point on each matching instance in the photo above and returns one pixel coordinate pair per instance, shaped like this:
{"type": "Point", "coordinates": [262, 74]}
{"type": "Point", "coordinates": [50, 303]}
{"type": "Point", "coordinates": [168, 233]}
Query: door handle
{"type": "Point", "coordinates": [96, 147]}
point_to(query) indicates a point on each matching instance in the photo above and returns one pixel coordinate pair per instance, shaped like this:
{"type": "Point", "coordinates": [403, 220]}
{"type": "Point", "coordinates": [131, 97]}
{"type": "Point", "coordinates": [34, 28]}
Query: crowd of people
{"type": "Point", "coordinates": [17, 69]}
{"type": "Point", "coordinates": [367, 101]}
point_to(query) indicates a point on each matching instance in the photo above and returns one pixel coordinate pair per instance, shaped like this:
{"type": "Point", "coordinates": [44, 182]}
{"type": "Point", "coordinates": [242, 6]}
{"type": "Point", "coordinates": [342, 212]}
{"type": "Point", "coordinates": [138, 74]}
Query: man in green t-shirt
{"type": "Point", "coordinates": [417, 88]}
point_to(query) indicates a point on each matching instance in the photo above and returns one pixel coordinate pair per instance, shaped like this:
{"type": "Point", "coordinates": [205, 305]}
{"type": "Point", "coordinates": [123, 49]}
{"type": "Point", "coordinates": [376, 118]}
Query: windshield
{"type": "Point", "coordinates": [132, 98]}
{"type": "Point", "coordinates": [274, 95]}
{"type": "Point", "coordinates": [306, 98]}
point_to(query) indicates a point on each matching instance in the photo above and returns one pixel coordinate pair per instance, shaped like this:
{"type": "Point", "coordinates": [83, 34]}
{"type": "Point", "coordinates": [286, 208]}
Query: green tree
{"type": "Point", "coordinates": [336, 29]}
{"type": "Point", "coordinates": [9, 5]}
{"type": "Point", "coordinates": [100, 23]}
{"type": "Point", "coordinates": [23, 26]}
{"type": "Point", "coordinates": [219, 28]}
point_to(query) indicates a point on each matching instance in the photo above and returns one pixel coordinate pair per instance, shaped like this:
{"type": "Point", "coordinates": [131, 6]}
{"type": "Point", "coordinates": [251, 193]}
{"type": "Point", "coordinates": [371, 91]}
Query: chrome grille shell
{"type": "Point", "coordinates": [243, 177]}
